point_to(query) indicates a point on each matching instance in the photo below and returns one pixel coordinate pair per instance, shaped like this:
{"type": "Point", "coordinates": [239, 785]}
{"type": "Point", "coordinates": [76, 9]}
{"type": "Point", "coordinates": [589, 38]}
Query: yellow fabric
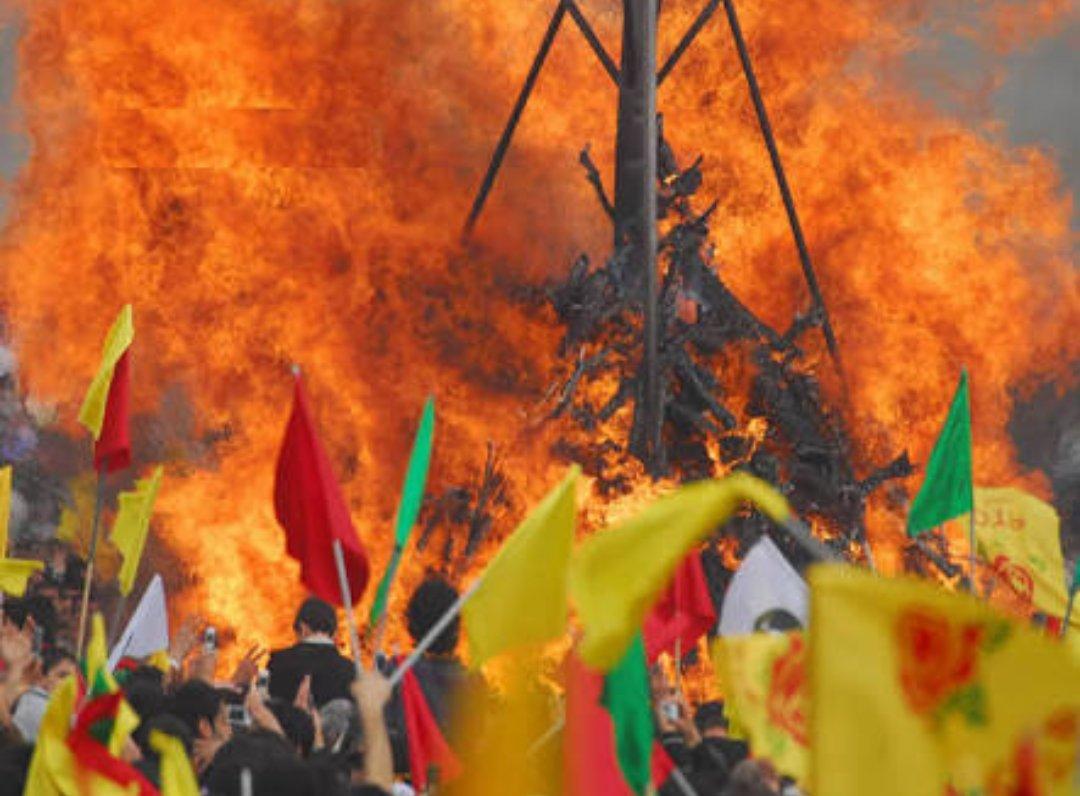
{"type": "Point", "coordinates": [522, 598]}
{"type": "Point", "coordinates": [120, 337]}
{"type": "Point", "coordinates": [5, 508]}
{"type": "Point", "coordinates": [1017, 535]}
{"type": "Point", "coordinates": [132, 522]}
{"type": "Point", "coordinates": [14, 572]}
{"type": "Point", "coordinates": [76, 528]}
{"type": "Point", "coordinates": [53, 768]}
{"type": "Point", "coordinates": [177, 775]}
{"type": "Point", "coordinates": [617, 574]}
{"type": "Point", "coordinates": [160, 661]}
{"type": "Point", "coordinates": [915, 689]}
{"type": "Point", "coordinates": [763, 677]}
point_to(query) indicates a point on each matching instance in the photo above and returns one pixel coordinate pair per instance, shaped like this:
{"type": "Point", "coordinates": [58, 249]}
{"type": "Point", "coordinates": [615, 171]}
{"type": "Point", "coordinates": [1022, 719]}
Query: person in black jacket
{"type": "Point", "coordinates": [314, 654]}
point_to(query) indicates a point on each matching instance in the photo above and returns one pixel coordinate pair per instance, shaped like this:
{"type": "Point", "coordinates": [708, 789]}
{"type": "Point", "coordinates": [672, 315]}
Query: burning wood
{"type": "Point", "coordinates": [774, 423]}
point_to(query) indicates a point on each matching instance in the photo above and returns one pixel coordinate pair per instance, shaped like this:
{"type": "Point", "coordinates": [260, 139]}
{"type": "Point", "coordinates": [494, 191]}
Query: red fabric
{"type": "Point", "coordinates": [427, 747]}
{"type": "Point", "coordinates": [590, 765]}
{"type": "Point", "coordinates": [310, 507]}
{"type": "Point", "coordinates": [684, 611]}
{"type": "Point", "coordinates": [662, 764]}
{"type": "Point", "coordinates": [92, 755]}
{"type": "Point", "coordinates": [112, 450]}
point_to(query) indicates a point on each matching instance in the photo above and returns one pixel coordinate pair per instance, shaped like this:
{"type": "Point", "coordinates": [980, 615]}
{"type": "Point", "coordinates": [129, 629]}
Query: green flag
{"type": "Point", "coordinates": [628, 699]}
{"type": "Point", "coordinates": [947, 489]}
{"type": "Point", "coordinates": [412, 495]}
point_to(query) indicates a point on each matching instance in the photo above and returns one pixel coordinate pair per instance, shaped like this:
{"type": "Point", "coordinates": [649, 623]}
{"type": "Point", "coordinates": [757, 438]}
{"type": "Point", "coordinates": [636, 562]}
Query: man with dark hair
{"type": "Point", "coordinates": [440, 675]}
{"type": "Point", "coordinates": [712, 724]}
{"type": "Point", "coordinates": [202, 708]}
{"type": "Point", "coordinates": [313, 655]}
{"type": "Point", "coordinates": [56, 664]}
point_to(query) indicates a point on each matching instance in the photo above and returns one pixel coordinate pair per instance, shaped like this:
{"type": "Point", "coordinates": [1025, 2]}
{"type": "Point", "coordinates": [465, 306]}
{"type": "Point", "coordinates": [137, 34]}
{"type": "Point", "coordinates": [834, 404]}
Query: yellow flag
{"type": "Point", "coordinates": [616, 575]}
{"type": "Point", "coordinates": [764, 679]}
{"type": "Point", "coordinates": [522, 597]}
{"type": "Point", "coordinates": [918, 690]}
{"type": "Point", "coordinates": [177, 776]}
{"type": "Point", "coordinates": [132, 522]}
{"type": "Point", "coordinates": [1018, 536]}
{"type": "Point", "coordinates": [119, 339]}
{"type": "Point", "coordinates": [76, 527]}
{"type": "Point", "coordinates": [14, 573]}
{"type": "Point", "coordinates": [5, 508]}
{"type": "Point", "coordinates": [52, 767]}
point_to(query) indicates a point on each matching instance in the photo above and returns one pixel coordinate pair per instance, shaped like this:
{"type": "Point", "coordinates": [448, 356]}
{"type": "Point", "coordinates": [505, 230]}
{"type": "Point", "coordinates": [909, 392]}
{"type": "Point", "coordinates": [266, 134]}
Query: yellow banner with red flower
{"type": "Point", "coordinates": [763, 677]}
{"type": "Point", "coordinates": [918, 690]}
{"type": "Point", "coordinates": [1017, 535]}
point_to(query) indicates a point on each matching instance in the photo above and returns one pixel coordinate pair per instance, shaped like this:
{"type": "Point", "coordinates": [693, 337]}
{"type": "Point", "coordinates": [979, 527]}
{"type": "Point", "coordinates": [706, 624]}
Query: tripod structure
{"type": "Point", "coordinates": [635, 205]}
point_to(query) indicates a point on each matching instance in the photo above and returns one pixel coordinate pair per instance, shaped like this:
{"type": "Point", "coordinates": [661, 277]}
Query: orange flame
{"type": "Point", "coordinates": [279, 182]}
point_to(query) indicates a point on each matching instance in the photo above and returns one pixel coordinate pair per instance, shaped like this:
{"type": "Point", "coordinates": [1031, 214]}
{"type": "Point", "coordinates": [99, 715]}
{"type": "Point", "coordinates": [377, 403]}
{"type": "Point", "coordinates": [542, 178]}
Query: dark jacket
{"type": "Point", "coordinates": [331, 673]}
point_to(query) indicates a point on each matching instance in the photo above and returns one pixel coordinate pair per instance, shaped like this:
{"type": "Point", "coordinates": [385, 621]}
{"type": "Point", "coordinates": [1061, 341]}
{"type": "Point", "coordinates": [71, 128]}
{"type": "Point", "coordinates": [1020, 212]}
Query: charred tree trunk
{"type": "Point", "coordinates": [635, 208]}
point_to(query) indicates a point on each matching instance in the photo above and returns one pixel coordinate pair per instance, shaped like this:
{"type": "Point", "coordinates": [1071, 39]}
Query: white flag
{"type": "Point", "coordinates": [147, 631]}
{"type": "Point", "coordinates": [766, 594]}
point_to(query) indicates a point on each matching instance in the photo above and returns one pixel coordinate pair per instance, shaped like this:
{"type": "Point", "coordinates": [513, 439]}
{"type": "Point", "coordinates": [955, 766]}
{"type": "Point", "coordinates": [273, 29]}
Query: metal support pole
{"type": "Point", "coordinates": [593, 40]}
{"type": "Point", "coordinates": [635, 205]}
{"type": "Point", "coordinates": [512, 122]}
{"type": "Point", "coordinates": [687, 39]}
{"type": "Point", "coordinates": [88, 578]}
{"type": "Point", "coordinates": [346, 599]}
{"type": "Point", "coordinates": [782, 183]}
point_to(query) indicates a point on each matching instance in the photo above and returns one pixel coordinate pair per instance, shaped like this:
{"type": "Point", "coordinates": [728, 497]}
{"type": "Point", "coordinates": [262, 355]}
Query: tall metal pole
{"type": "Point", "coordinates": [635, 204]}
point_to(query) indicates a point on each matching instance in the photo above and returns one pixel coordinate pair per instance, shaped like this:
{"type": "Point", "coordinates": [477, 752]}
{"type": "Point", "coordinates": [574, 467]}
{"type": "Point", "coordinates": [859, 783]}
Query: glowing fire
{"type": "Point", "coordinates": [279, 182]}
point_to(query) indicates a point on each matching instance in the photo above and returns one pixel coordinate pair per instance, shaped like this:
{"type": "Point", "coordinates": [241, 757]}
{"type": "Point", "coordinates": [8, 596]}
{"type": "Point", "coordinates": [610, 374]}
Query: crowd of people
{"type": "Point", "coordinates": [301, 720]}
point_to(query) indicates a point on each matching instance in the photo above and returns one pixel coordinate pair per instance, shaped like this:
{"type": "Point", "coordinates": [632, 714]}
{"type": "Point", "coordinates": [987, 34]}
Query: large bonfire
{"type": "Point", "coordinates": [271, 183]}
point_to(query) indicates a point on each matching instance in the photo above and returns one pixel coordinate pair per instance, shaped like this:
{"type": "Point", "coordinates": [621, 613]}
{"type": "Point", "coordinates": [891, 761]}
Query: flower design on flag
{"type": "Point", "coordinates": [786, 700]}
{"type": "Point", "coordinates": [1017, 578]}
{"type": "Point", "coordinates": [937, 660]}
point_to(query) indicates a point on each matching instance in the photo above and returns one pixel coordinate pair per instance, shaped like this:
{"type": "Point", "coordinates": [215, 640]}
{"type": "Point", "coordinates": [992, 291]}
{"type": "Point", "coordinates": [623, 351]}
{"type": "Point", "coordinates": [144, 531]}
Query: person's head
{"type": "Point", "coordinates": [167, 724]}
{"type": "Point", "coordinates": [340, 724]}
{"type": "Point", "coordinates": [710, 720]}
{"type": "Point", "coordinates": [315, 617]}
{"type": "Point", "coordinates": [56, 664]}
{"type": "Point", "coordinates": [297, 725]}
{"type": "Point", "coordinates": [753, 778]}
{"type": "Point", "coordinates": [432, 598]}
{"type": "Point", "coordinates": [202, 709]}
{"type": "Point", "coordinates": [275, 768]}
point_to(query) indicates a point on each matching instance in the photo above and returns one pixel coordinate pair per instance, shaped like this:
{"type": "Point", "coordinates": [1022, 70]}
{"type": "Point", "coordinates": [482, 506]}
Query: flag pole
{"type": "Point", "coordinates": [1072, 601]}
{"type": "Point", "coordinates": [346, 599]}
{"type": "Point", "coordinates": [88, 576]}
{"type": "Point", "coordinates": [435, 631]}
{"type": "Point", "coordinates": [971, 545]}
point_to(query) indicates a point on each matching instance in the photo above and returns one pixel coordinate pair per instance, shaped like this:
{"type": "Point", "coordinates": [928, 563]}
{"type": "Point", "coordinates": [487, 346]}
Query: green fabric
{"type": "Point", "coordinates": [412, 495]}
{"type": "Point", "coordinates": [628, 699]}
{"type": "Point", "coordinates": [947, 489]}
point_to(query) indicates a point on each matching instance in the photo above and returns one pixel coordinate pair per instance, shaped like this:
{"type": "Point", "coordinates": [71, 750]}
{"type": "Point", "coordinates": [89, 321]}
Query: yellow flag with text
{"type": "Point", "coordinates": [763, 676]}
{"type": "Point", "coordinates": [918, 690]}
{"type": "Point", "coordinates": [1018, 536]}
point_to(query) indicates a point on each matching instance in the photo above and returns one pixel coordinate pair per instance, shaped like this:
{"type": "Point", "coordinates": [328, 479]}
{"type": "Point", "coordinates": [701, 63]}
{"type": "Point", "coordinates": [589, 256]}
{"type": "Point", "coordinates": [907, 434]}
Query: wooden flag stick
{"type": "Point", "coordinates": [88, 576]}
{"type": "Point", "coordinates": [435, 631]}
{"type": "Point", "coordinates": [971, 541]}
{"type": "Point", "coordinates": [346, 599]}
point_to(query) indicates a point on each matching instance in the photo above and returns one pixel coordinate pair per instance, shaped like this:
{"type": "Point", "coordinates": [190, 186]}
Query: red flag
{"type": "Point", "coordinates": [112, 450]}
{"type": "Point", "coordinates": [662, 764]}
{"type": "Point", "coordinates": [427, 747]}
{"type": "Point", "coordinates": [309, 505]}
{"type": "Point", "coordinates": [684, 611]}
{"type": "Point", "coordinates": [590, 765]}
